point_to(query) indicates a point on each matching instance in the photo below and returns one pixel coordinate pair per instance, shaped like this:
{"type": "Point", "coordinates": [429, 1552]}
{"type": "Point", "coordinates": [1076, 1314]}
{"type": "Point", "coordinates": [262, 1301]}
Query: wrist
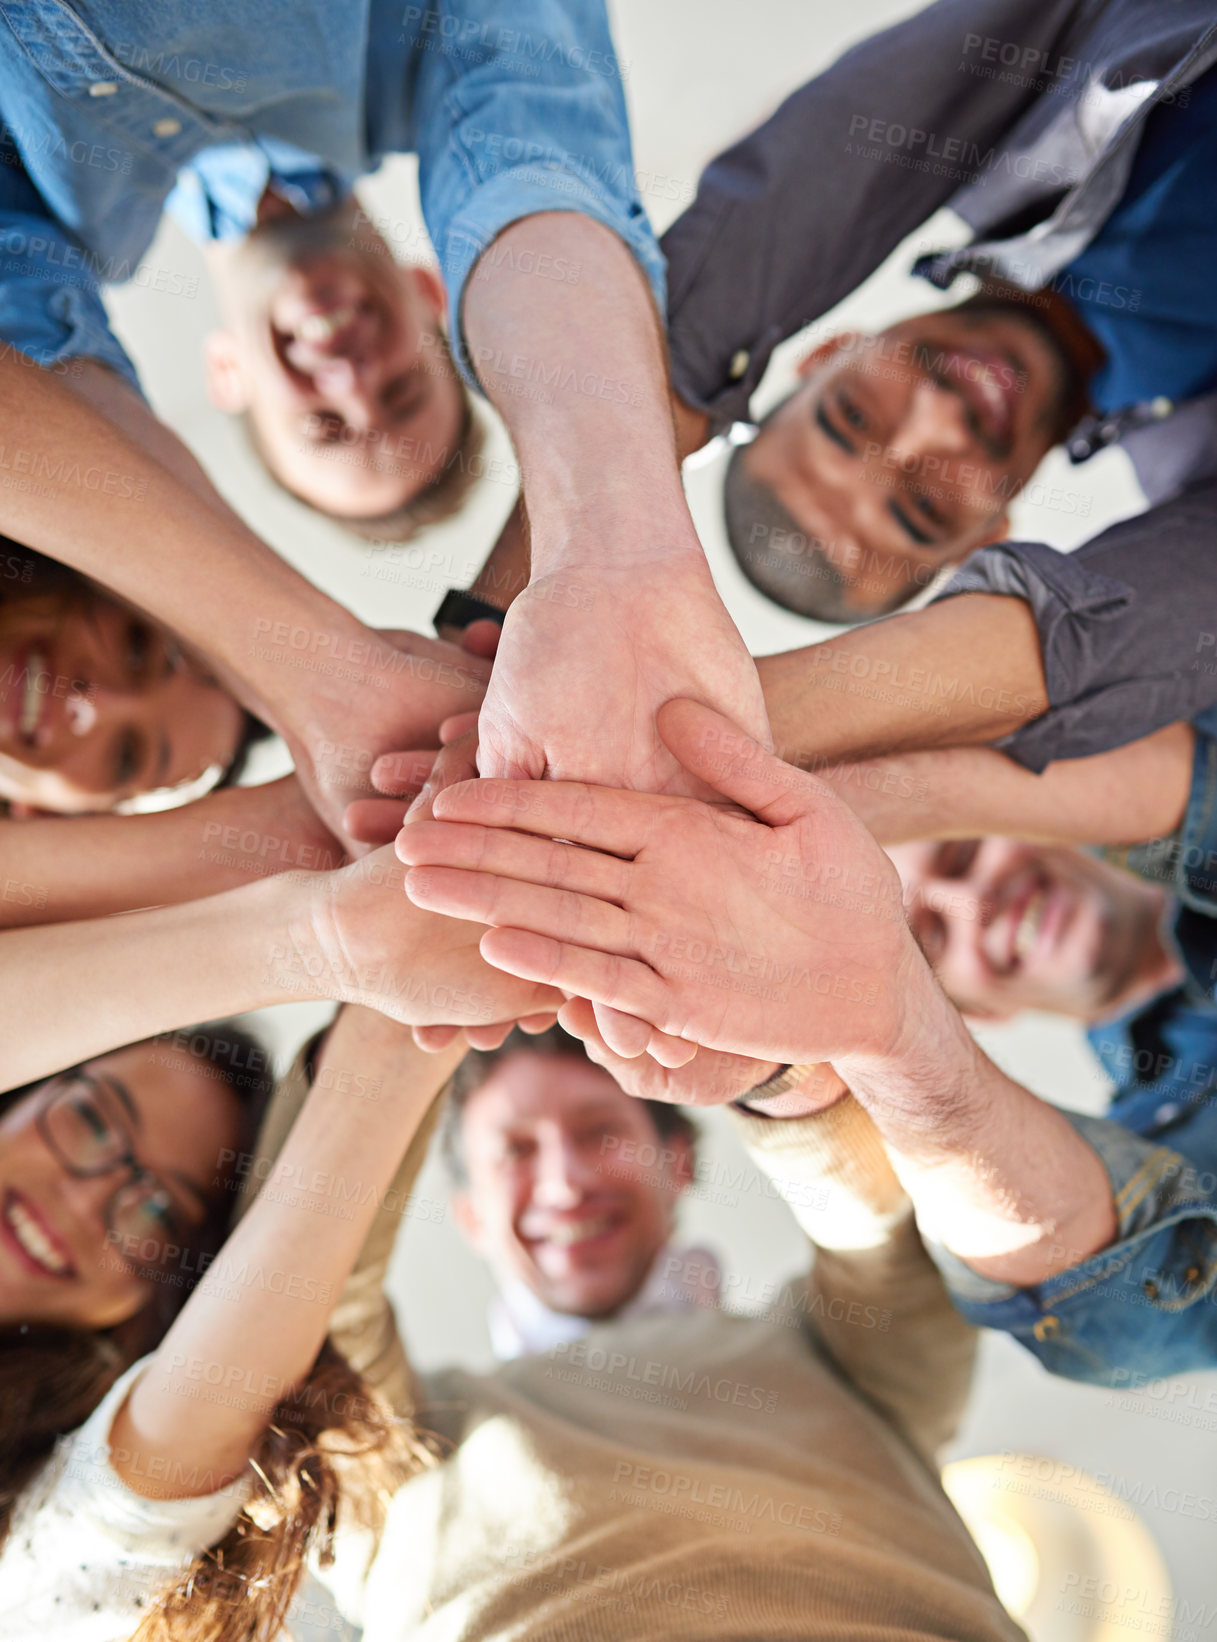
{"type": "Point", "coordinates": [923, 1089]}
{"type": "Point", "coordinates": [628, 533]}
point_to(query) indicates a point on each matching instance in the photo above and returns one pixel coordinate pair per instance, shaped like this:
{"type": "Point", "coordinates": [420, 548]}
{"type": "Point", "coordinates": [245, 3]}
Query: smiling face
{"type": "Point", "coordinates": [899, 454]}
{"type": "Point", "coordinates": [569, 1191]}
{"type": "Point", "coordinates": [1009, 926]}
{"type": "Point", "coordinates": [61, 1261]}
{"type": "Point", "coordinates": [335, 352]}
{"type": "Point", "coordinates": [98, 704]}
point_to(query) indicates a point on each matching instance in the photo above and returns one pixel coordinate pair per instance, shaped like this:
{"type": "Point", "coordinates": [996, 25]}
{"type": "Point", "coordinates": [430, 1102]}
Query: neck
{"type": "Point", "coordinates": [1156, 966]}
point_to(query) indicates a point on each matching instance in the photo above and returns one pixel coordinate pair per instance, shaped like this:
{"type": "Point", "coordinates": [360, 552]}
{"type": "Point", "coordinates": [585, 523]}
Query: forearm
{"type": "Point", "coordinates": [158, 541]}
{"type": "Point", "coordinates": [57, 869]}
{"type": "Point", "coordinates": [265, 1336]}
{"type": "Point", "coordinates": [996, 1175]}
{"type": "Point", "coordinates": [598, 441]}
{"type": "Point", "coordinates": [71, 991]}
{"type": "Point", "coordinates": [961, 673]}
{"type": "Point", "coordinates": [1127, 796]}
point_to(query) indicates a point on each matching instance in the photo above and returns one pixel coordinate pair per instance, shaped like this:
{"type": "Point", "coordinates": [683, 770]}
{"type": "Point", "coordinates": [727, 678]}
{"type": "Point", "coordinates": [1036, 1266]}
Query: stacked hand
{"type": "Point", "coordinates": [773, 931]}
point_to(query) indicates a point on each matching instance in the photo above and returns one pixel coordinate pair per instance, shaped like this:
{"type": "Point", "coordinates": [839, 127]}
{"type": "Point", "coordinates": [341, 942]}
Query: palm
{"type": "Point", "coordinates": [585, 664]}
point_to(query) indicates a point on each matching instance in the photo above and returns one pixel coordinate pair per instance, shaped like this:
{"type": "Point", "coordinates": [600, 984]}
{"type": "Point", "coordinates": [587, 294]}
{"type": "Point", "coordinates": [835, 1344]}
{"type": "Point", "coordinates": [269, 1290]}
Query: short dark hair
{"type": "Point", "coordinates": [670, 1122]}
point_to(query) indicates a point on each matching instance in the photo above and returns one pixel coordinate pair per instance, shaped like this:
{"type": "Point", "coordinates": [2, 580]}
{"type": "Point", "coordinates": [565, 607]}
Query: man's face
{"type": "Point", "coordinates": [335, 353]}
{"type": "Point", "coordinates": [900, 453]}
{"type": "Point", "coordinates": [1009, 926]}
{"type": "Point", "coordinates": [570, 1191]}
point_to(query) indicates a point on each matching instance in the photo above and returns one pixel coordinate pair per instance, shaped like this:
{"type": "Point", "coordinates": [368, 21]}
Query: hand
{"type": "Point", "coordinates": [709, 1079]}
{"type": "Point", "coordinates": [290, 832]}
{"type": "Point", "coordinates": [780, 938]}
{"type": "Point", "coordinates": [357, 940]}
{"type": "Point", "coordinates": [388, 695]}
{"type": "Point", "coordinates": [587, 658]}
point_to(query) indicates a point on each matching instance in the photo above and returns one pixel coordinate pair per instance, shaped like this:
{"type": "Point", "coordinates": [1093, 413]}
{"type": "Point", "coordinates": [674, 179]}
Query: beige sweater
{"type": "Point", "coordinates": [697, 1475]}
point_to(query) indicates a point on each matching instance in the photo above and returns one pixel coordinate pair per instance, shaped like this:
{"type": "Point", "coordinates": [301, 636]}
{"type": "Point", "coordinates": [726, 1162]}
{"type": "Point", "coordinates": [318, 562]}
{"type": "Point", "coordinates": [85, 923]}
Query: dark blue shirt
{"type": "Point", "coordinates": [1145, 284]}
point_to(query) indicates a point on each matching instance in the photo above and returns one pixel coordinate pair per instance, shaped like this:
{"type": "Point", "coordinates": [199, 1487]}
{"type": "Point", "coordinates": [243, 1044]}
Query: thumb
{"type": "Point", "coordinates": [710, 747]}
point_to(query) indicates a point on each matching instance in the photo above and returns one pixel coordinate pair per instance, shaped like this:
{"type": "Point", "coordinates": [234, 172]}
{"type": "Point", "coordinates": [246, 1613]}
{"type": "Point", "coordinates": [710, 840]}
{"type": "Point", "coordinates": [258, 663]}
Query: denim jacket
{"type": "Point", "coordinates": [104, 105]}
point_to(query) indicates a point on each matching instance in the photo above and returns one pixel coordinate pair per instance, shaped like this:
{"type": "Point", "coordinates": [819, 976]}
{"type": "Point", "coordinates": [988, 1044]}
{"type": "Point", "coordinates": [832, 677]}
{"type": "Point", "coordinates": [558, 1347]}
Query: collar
{"type": "Point", "coordinates": [682, 1278]}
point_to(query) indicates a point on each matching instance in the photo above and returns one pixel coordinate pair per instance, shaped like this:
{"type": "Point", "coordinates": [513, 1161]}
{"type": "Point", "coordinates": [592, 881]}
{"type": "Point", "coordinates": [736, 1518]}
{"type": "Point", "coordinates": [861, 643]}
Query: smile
{"type": "Point", "coordinates": [572, 1232]}
{"type": "Point", "coordinates": [31, 1238]}
{"type": "Point", "coordinates": [320, 328]}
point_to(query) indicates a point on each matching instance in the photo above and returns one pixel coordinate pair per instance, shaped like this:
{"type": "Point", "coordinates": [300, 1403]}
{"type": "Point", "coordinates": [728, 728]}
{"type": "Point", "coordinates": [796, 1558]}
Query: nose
{"type": "Point", "coordinates": [935, 422]}
{"type": "Point", "coordinates": [350, 387]}
{"type": "Point", "coordinates": [563, 1175]}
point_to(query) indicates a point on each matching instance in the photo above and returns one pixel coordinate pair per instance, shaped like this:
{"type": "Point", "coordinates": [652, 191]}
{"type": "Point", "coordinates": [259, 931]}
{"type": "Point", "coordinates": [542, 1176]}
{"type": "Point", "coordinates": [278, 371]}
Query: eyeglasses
{"type": "Point", "coordinates": [85, 1131]}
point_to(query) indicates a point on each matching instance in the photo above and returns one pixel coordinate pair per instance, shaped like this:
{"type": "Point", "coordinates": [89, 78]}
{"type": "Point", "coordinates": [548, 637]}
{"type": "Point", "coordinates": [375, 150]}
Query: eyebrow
{"type": "Point", "coordinates": [832, 432]}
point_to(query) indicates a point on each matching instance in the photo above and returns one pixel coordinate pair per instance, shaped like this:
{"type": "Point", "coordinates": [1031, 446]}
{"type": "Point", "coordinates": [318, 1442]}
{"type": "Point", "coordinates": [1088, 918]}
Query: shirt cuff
{"type": "Point", "coordinates": [833, 1170]}
{"type": "Point", "coordinates": [526, 191]}
{"type": "Point", "coordinates": [50, 302]}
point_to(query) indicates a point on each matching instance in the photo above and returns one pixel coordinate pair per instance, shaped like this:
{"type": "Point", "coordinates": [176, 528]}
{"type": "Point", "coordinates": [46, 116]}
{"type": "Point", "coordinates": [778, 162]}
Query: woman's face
{"type": "Point", "coordinates": [97, 704]}
{"type": "Point", "coordinates": [88, 1250]}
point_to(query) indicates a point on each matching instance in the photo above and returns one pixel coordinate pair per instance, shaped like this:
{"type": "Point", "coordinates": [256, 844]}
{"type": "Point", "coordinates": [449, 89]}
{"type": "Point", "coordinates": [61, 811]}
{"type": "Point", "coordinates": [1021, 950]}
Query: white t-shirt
{"type": "Point", "coordinates": [85, 1555]}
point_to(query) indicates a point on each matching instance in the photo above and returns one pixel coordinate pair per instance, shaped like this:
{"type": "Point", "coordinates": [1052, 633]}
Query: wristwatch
{"type": "Point", "coordinates": [460, 610]}
{"type": "Point", "coordinates": [782, 1082]}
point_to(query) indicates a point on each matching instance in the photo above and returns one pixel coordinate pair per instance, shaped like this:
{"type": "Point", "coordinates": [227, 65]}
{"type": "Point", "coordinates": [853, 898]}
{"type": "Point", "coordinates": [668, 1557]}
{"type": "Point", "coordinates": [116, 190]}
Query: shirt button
{"type": "Point", "coordinates": [739, 364]}
{"type": "Point", "coordinates": [103, 88]}
{"type": "Point", "coordinates": [1046, 1328]}
{"type": "Point", "coordinates": [166, 128]}
{"type": "Point", "coordinates": [1192, 1274]}
{"type": "Point", "coordinates": [1167, 1113]}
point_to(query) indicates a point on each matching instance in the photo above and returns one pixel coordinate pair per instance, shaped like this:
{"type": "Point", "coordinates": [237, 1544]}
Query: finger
{"type": "Point", "coordinates": [431, 1039]}
{"type": "Point", "coordinates": [514, 855]}
{"type": "Point", "coordinates": [670, 1052]}
{"type": "Point", "coordinates": [532, 1024]}
{"type": "Point", "coordinates": [455, 763]}
{"type": "Point", "coordinates": [452, 729]}
{"type": "Point", "coordinates": [485, 899]}
{"type": "Point", "coordinates": [481, 638]}
{"type": "Point", "coordinates": [624, 1034]}
{"type": "Point", "coordinates": [713, 749]}
{"type": "Point", "coordinates": [578, 1017]}
{"type": "Point", "coordinates": [399, 775]}
{"type": "Point", "coordinates": [624, 983]}
{"type": "Point", "coordinates": [488, 1037]}
{"type": "Point", "coordinates": [599, 817]}
{"type": "Point", "coordinates": [374, 820]}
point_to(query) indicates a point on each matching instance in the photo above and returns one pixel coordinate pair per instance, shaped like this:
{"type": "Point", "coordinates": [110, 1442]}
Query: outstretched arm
{"type": "Point", "coordinates": [347, 936]}
{"type": "Point", "coordinates": [266, 1337]}
{"type": "Point", "coordinates": [620, 611]}
{"type": "Point", "coordinates": [1128, 796]}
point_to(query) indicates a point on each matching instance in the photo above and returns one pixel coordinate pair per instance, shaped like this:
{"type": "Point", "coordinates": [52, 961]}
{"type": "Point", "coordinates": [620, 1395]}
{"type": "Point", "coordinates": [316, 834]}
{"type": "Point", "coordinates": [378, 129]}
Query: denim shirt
{"type": "Point", "coordinates": [106, 106]}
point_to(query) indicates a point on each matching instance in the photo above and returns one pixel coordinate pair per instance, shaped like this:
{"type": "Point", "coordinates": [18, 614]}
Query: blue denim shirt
{"type": "Point", "coordinates": [105, 106]}
{"type": "Point", "coordinates": [1147, 1305]}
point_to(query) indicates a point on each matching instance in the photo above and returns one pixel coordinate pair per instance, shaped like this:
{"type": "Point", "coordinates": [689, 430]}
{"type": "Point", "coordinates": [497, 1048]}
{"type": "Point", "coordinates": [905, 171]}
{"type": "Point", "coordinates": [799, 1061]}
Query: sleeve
{"type": "Point", "coordinates": [362, 1324]}
{"type": "Point", "coordinates": [515, 120]}
{"type": "Point", "coordinates": [1125, 624]}
{"type": "Point", "coordinates": [797, 214]}
{"type": "Point", "coordinates": [875, 1297]}
{"type": "Point", "coordinates": [1142, 1308]}
{"type": "Point", "coordinates": [83, 1544]}
{"type": "Point", "coordinates": [51, 308]}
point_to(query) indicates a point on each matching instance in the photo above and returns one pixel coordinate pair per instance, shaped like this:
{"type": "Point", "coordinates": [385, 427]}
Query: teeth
{"type": "Point", "coordinates": [31, 705]}
{"type": "Point", "coordinates": [578, 1231]}
{"type": "Point", "coordinates": [34, 1240]}
{"type": "Point", "coordinates": [1029, 924]}
{"type": "Point", "coordinates": [324, 327]}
